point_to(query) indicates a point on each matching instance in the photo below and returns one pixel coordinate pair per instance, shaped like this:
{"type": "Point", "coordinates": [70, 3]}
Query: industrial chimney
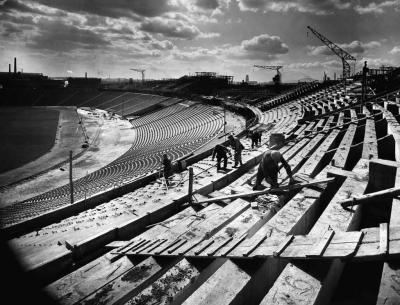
{"type": "Point", "coordinates": [85, 74]}
{"type": "Point", "coordinates": [15, 65]}
{"type": "Point", "coordinates": [9, 68]}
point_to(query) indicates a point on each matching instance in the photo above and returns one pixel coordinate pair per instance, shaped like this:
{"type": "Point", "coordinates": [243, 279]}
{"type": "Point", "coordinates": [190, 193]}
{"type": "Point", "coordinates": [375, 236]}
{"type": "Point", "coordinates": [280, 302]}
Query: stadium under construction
{"type": "Point", "coordinates": [102, 222]}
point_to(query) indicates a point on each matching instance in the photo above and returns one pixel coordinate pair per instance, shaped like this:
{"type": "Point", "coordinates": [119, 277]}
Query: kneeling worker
{"type": "Point", "coordinates": [221, 152]}
{"type": "Point", "coordinates": [269, 168]}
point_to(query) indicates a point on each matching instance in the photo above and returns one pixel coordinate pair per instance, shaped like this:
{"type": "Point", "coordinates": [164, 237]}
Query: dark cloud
{"type": "Point", "coordinates": [58, 36]}
{"type": "Point", "coordinates": [266, 44]}
{"type": "Point", "coordinates": [10, 29]}
{"type": "Point", "coordinates": [18, 19]}
{"type": "Point", "coordinates": [207, 4]}
{"type": "Point", "coordinates": [170, 28]}
{"type": "Point", "coordinates": [14, 5]}
{"type": "Point", "coordinates": [114, 8]}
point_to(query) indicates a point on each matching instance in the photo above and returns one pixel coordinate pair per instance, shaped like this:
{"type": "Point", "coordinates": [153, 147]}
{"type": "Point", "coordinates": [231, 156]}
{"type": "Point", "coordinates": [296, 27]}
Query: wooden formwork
{"type": "Point", "coordinates": [234, 252]}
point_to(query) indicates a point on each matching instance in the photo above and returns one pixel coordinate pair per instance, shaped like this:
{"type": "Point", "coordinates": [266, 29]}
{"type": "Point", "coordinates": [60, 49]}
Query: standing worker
{"type": "Point", "coordinates": [167, 168]}
{"type": "Point", "coordinates": [221, 152]}
{"type": "Point", "coordinates": [238, 147]}
{"type": "Point", "coordinates": [269, 168]}
{"type": "Point", "coordinates": [259, 137]}
{"type": "Point", "coordinates": [254, 138]}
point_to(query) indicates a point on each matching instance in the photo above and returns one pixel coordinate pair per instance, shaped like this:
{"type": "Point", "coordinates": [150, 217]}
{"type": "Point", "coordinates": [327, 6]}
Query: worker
{"type": "Point", "coordinates": [254, 138]}
{"type": "Point", "coordinates": [238, 147]}
{"type": "Point", "coordinates": [221, 152]}
{"type": "Point", "coordinates": [269, 169]}
{"type": "Point", "coordinates": [167, 168]}
{"type": "Point", "coordinates": [259, 137]}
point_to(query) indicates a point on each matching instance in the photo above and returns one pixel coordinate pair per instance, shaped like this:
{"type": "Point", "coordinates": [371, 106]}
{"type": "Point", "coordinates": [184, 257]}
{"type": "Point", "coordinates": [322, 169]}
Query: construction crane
{"type": "Point", "coordinates": [344, 56]}
{"type": "Point", "coordinates": [277, 78]}
{"type": "Point", "coordinates": [141, 71]}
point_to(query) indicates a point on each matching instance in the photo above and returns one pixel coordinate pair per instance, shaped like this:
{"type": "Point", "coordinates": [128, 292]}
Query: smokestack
{"type": "Point", "coordinates": [15, 65]}
{"type": "Point", "coordinates": [85, 74]}
{"type": "Point", "coordinates": [9, 68]}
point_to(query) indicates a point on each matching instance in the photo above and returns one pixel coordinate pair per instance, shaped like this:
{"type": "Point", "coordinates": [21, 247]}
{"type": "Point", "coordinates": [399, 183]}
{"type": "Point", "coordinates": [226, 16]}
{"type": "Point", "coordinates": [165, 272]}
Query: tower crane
{"type": "Point", "coordinates": [141, 71]}
{"type": "Point", "coordinates": [344, 56]}
{"type": "Point", "coordinates": [277, 78]}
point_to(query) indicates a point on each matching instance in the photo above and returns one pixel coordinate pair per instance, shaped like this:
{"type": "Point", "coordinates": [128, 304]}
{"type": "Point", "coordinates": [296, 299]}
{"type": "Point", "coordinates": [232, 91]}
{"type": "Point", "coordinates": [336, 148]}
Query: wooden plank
{"type": "Point", "coordinates": [222, 287]}
{"type": "Point", "coordinates": [168, 285]}
{"type": "Point", "coordinates": [238, 227]}
{"type": "Point", "coordinates": [126, 285]}
{"type": "Point", "coordinates": [220, 246]}
{"type": "Point", "coordinates": [370, 146]}
{"type": "Point", "coordinates": [383, 238]}
{"type": "Point", "coordinates": [293, 286]}
{"type": "Point", "coordinates": [169, 245]}
{"type": "Point", "coordinates": [75, 286]}
{"type": "Point", "coordinates": [179, 227]}
{"type": "Point", "coordinates": [339, 220]}
{"type": "Point", "coordinates": [342, 245]}
{"type": "Point", "coordinates": [226, 250]}
{"type": "Point", "coordinates": [342, 152]}
{"type": "Point", "coordinates": [310, 167]}
{"type": "Point", "coordinates": [291, 219]}
{"type": "Point", "coordinates": [281, 188]}
{"type": "Point", "coordinates": [390, 282]}
{"type": "Point", "coordinates": [296, 162]}
{"type": "Point", "coordinates": [117, 244]}
{"type": "Point", "coordinates": [387, 193]}
{"type": "Point", "coordinates": [355, 245]}
{"type": "Point", "coordinates": [283, 245]}
{"type": "Point", "coordinates": [210, 226]}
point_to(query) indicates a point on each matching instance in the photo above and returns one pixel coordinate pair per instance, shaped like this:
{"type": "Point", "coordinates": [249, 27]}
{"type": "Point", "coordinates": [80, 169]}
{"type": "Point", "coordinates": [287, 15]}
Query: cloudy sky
{"type": "Point", "coordinates": [170, 38]}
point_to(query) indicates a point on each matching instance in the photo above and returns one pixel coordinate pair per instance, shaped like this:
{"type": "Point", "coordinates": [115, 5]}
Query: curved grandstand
{"type": "Point", "coordinates": [177, 130]}
{"type": "Point", "coordinates": [147, 245]}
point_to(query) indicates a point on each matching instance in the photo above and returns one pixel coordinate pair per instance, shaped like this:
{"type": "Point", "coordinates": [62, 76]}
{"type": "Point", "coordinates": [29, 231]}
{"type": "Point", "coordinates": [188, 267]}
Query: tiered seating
{"type": "Point", "coordinates": [329, 136]}
{"type": "Point", "coordinates": [134, 104]}
{"type": "Point", "coordinates": [287, 96]}
{"type": "Point", "coordinates": [176, 134]}
{"type": "Point", "coordinates": [120, 102]}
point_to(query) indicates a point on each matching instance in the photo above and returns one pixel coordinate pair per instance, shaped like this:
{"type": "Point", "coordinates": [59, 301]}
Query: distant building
{"type": "Point", "coordinates": [247, 78]}
{"type": "Point", "coordinates": [27, 80]}
{"type": "Point", "coordinates": [84, 82]}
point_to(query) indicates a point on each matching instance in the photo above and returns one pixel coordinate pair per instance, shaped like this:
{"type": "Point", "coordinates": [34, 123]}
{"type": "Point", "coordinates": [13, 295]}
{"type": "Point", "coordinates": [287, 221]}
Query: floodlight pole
{"type": "Point", "coordinates": [71, 185]}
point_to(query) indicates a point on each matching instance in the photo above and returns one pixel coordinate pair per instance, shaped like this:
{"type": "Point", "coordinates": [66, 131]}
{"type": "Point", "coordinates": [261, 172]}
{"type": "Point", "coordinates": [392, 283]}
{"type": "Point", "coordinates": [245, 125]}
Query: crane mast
{"type": "Point", "coordinates": [277, 78]}
{"type": "Point", "coordinates": [344, 56]}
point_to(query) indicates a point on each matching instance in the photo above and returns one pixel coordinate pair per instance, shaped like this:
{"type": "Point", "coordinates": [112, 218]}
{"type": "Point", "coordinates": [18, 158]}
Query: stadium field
{"type": "Point", "coordinates": [26, 133]}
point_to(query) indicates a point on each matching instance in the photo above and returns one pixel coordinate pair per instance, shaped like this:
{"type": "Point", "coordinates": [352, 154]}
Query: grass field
{"type": "Point", "coordinates": [26, 134]}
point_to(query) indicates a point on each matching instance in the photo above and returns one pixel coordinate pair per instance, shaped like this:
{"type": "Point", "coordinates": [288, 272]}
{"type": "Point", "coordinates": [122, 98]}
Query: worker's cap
{"type": "Point", "coordinates": [276, 156]}
{"type": "Point", "coordinates": [230, 136]}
